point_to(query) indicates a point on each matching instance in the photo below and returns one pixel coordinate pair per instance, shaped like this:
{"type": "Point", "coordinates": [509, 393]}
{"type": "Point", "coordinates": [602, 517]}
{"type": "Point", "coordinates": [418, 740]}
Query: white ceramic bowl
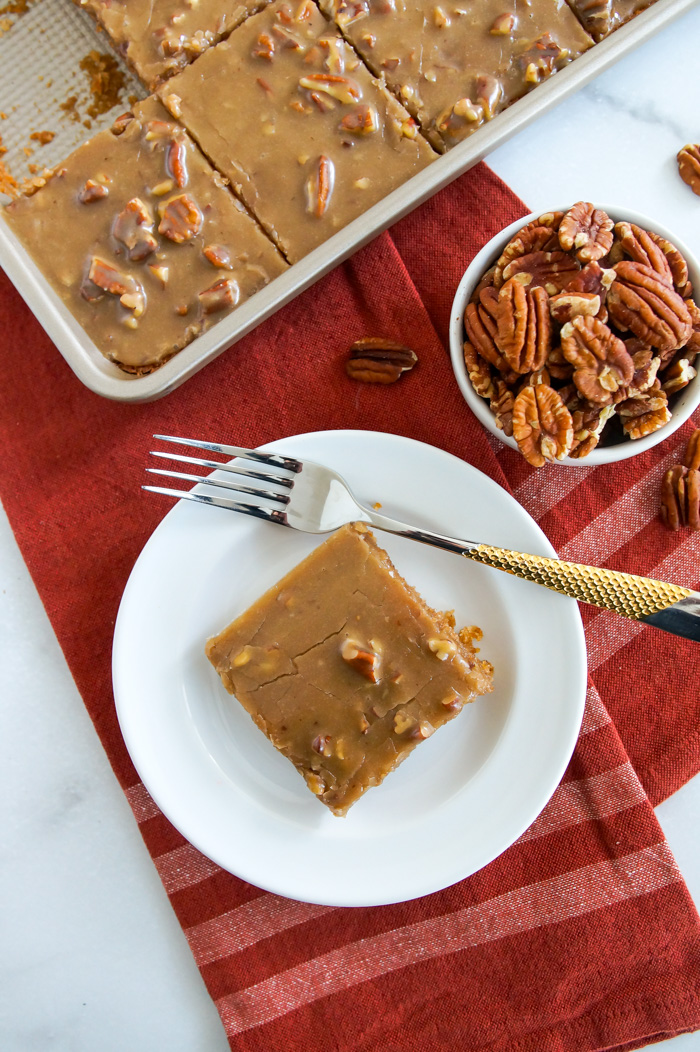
{"type": "Point", "coordinates": [685, 402]}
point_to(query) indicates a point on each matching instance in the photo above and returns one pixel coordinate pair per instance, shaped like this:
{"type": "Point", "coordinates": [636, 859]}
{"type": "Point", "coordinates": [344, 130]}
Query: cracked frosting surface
{"type": "Point", "coordinates": [143, 241]}
{"type": "Point", "coordinates": [345, 668]}
{"type": "Point", "coordinates": [308, 138]}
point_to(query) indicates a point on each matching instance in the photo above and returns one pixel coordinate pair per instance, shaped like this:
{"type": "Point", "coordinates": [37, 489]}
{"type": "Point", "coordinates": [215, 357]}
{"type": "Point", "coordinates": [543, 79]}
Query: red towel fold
{"type": "Point", "coordinates": [582, 935]}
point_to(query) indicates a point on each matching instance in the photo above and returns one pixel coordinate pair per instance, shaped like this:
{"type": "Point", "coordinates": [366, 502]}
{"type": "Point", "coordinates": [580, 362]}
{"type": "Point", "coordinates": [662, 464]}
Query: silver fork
{"type": "Point", "coordinates": [315, 499]}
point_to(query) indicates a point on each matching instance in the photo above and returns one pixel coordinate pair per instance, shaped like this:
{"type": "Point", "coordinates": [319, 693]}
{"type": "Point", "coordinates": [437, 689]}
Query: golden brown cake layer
{"type": "Point", "coordinates": [308, 138]}
{"type": "Point", "coordinates": [456, 64]}
{"type": "Point", "coordinates": [345, 668]}
{"type": "Point", "coordinates": [143, 241]}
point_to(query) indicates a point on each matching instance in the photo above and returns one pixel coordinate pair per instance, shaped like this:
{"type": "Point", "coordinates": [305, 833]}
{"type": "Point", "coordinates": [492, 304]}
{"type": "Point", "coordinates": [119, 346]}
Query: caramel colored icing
{"type": "Point", "coordinates": [142, 240]}
{"type": "Point", "coordinates": [308, 138]}
{"type": "Point", "coordinates": [345, 668]}
{"type": "Point", "coordinates": [455, 64]}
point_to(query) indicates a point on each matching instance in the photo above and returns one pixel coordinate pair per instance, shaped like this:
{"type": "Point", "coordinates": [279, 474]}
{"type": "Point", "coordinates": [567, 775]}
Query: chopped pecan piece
{"type": "Point", "coordinates": [537, 236]}
{"type": "Point", "coordinates": [501, 406]}
{"type": "Point", "coordinates": [646, 366]}
{"type": "Point", "coordinates": [341, 88]}
{"type": "Point", "coordinates": [504, 25]}
{"type": "Point", "coordinates": [689, 166]}
{"type": "Point", "coordinates": [565, 306]}
{"type": "Point", "coordinates": [363, 659]}
{"type": "Point", "coordinates": [176, 161]}
{"type": "Point", "coordinates": [489, 92]}
{"type": "Point", "coordinates": [180, 219]}
{"type": "Point", "coordinates": [542, 59]}
{"type": "Point", "coordinates": [692, 347]}
{"type": "Point", "coordinates": [218, 256]}
{"type": "Point", "coordinates": [677, 375]}
{"type": "Point", "coordinates": [552, 271]}
{"type": "Point", "coordinates": [92, 191]}
{"type": "Point", "coordinates": [595, 16]}
{"type": "Point", "coordinates": [587, 230]}
{"type": "Point", "coordinates": [692, 451]}
{"type": "Point", "coordinates": [319, 186]}
{"type": "Point", "coordinates": [645, 413]}
{"type": "Point", "coordinates": [103, 277]}
{"type": "Point", "coordinates": [640, 301]}
{"type": "Point", "coordinates": [680, 498]}
{"type": "Point", "coordinates": [588, 423]}
{"type": "Point", "coordinates": [456, 121]}
{"type": "Point", "coordinates": [375, 360]}
{"type": "Point", "coordinates": [479, 372]}
{"type": "Point", "coordinates": [134, 228]}
{"type": "Point", "coordinates": [363, 121]}
{"type": "Point", "coordinates": [524, 328]}
{"type": "Point", "coordinates": [601, 363]}
{"type": "Point", "coordinates": [265, 48]}
{"type": "Point", "coordinates": [222, 295]}
{"type": "Point", "coordinates": [542, 425]}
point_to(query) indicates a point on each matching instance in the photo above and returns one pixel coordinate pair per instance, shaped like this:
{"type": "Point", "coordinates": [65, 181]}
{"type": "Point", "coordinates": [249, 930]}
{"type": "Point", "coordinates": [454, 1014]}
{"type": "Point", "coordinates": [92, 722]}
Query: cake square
{"type": "Point", "coordinates": [345, 668]}
{"type": "Point", "coordinates": [456, 64]}
{"type": "Point", "coordinates": [307, 137]}
{"type": "Point", "coordinates": [142, 239]}
{"type": "Point", "coordinates": [161, 37]}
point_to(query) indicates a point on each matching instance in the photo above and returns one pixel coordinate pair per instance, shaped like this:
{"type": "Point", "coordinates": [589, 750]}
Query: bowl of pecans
{"type": "Point", "coordinates": [574, 334]}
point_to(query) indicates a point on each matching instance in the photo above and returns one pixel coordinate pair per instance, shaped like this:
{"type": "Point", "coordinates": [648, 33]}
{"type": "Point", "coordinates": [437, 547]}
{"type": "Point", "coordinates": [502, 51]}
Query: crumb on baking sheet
{"type": "Point", "coordinates": [8, 183]}
{"type": "Point", "coordinates": [43, 137]}
{"type": "Point", "coordinates": [107, 82]}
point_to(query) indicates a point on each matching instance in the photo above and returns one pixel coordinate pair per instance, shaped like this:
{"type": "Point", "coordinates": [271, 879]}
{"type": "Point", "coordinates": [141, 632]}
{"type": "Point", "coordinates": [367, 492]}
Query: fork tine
{"type": "Point", "coordinates": [273, 459]}
{"type": "Point", "coordinates": [270, 514]}
{"type": "Point", "coordinates": [263, 476]}
{"type": "Point", "coordinates": [280, 498]}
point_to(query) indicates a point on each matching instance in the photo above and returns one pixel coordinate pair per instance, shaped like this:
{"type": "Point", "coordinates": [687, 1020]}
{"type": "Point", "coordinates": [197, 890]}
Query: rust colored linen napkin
{"type": "Point", "coordinates": [582, 936]}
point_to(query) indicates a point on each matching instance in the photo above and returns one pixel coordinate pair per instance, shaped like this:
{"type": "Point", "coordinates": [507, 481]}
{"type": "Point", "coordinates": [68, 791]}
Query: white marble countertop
{"type": "Point", "coordinates": [93, 958]}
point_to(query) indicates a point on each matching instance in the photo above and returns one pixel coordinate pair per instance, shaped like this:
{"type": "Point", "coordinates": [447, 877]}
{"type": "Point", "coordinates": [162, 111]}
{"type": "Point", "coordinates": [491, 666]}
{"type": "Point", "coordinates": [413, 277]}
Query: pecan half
{"type": "Point", "coordinates": [551, 271]}
{"type": "Point", "coordinates": [524, 330]}
{"type": "Point", "coordinates": [689, 166]}
{"type": "Point", "coordinates": [542, 425]}
{"type": "Point", "coordinates": [538, 236]}
{"type": "Point", "coordinates": [501, 405]}
{"type": "Point", "coordinates": [593, 279]}
{"type": "Point", "coordinates": [319, 186]}
{"type": "Point", "coordinates": [481, 327]}
{"type": "Point", "coordinates": [640, 301]}
{"type": "Point", "coordinates": [133, 227]}
{"type": "Point", "coordinates": [180, 219]}
{"type": "Point", "coordinates": [692, 347]}
{"type": "Point", "coordinates": [176, 161]}
{"type": "Point", "coordinates": [642, 248]}
{"type": "Point", "coordinates": [103, 277]}
{"type": "Point", "coordinates": [601, 363]}
{"type": "Point", "coordinates": [692, 451]}
{"type": "Point", "coordinates": [587, 230]}
{"type": "Point", "coordinates": [558, 366]}
{"type": "Point", "coordinates": [375, 360]}
{"type": "Point", "coordinates": [646, 366]}
{"type": "Point", "coordinates": [479, 372]}
{"type": "Point", "coordinates": [680, 498]}
{"type": "Point", "coordinates": [222, 295]}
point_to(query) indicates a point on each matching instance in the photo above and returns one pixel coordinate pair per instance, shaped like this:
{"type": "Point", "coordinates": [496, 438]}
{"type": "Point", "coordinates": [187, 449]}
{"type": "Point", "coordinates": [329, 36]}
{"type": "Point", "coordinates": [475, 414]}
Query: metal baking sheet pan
{"type": "Point", "coordinates": [48, 79]}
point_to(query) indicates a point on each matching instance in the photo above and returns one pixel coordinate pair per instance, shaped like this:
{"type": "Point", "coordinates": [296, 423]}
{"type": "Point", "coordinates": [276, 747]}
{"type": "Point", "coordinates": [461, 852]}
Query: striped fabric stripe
{"type": "Point", "coordinates": [549, 902]}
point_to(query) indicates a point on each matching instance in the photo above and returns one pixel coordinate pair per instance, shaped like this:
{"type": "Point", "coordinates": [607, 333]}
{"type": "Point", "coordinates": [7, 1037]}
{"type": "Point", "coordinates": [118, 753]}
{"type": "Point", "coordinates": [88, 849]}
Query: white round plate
{"type": "Point", "coordinates": [460, 799]}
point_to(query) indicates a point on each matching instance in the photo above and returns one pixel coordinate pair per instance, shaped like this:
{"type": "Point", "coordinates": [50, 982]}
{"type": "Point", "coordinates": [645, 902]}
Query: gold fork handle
{"type": "Point", "coordinates": [669, 606]}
